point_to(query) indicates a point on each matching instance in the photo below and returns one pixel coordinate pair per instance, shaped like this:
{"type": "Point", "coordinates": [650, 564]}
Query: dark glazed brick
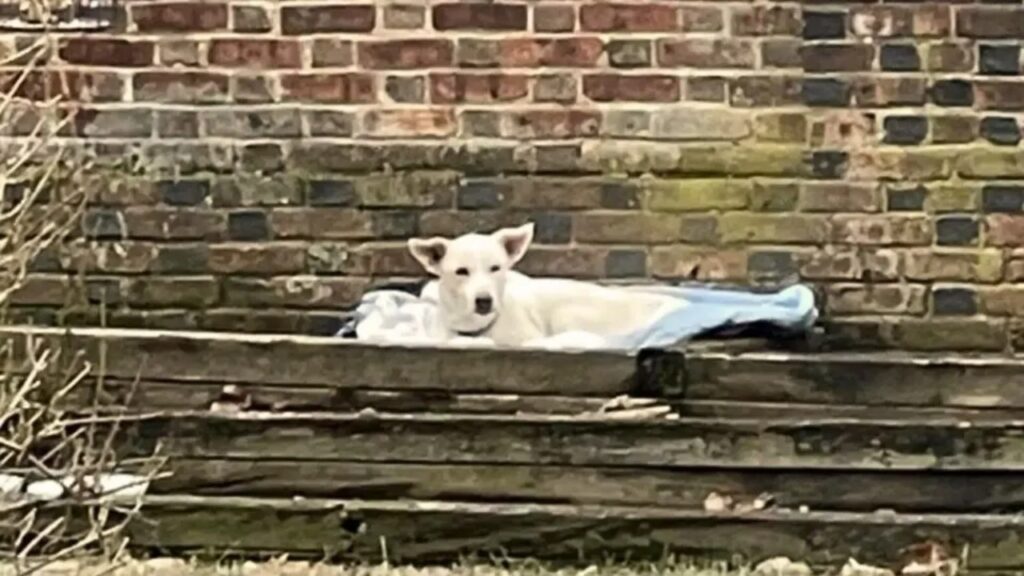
{"type": "Point", "coordinates": [899, 58]}
{"type": "Point", "coordinates": [1002, 198]}
{"type": "Point", "coordinates": [104, 224]}
{"type": "Point", "coordinates": [552, 228]}
{"type": "Point", "coordinates": [829, 164]}
{"type": "Point", "coordinates": [772, 265]}
{"type": "Point", "coordinates": [625, 264]}
{"type": "Point", "coordinates": [331, 193]}
{"type": "Point", "coordinates": [1000, 130]}
{"type": "Point", "coordinates": [905, 129]}
{"type": "Point", "coordinates": [906, 199]}
{"type": "Point", "coordinates": [956, 231]}
{"type": "Point", "coordinates": [184, 192]}
{"type": "Point", "coordinates": [824, 25]}
{"type": "Point", "coordinates": [479, 196]}
{"type": "Point", "coordinates": [999, 60]}
{"type": "Point", "coordinates": [954, 302]}
{"type": "Point", "coordinates": [248, 225]}
{"type": "Point", "coordinates": [828, 92]}
{"type": "Point", "coordinates": [619, 196]}
{"type": "Point", "coordinates": [952, 93]}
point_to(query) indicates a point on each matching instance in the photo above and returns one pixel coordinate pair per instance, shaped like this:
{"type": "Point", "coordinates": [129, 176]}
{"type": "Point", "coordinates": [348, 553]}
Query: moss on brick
{"type": "Point", "coordinates": [698, 194]}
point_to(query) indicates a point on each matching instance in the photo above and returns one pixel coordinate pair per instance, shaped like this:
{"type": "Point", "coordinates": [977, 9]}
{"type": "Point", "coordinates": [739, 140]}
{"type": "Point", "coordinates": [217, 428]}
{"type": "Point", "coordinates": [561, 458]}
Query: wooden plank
{"type": "Point", "coordinates": [847, 490]}
{"type": "Point", "coordinates": [428, 531]}
{"type": "Point", "coordinates": [156, 395]}
{"type": "Point", "coordinates": [153, 395]}
{"type": "Point", "coordinates": [337, 363]}
{"type": "Point", "coordinates": [933, 442]}
{"type": "Point", "coordinates": [855, 378]}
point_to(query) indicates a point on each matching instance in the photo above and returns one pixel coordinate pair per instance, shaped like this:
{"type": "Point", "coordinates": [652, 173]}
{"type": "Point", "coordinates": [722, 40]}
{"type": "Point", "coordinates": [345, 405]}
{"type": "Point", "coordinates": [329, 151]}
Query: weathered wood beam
{"type": "Point", "coordinates": [845, 490]}
{"type": "Point", "coordinates": [337, 363]}
{"type": "Point", "coordinates": [443, 531]}
{"type": "Point", "coordinates": [692, 373]}
{"type": "Point", "coordinates": [857, 378]}
{"type": "Point", "coordinates": [913, 444]}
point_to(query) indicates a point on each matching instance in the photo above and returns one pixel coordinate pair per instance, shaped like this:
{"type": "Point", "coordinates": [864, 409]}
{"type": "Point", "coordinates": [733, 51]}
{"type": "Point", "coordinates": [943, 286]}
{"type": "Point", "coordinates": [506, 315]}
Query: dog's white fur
{"type": "Point", "coordinates": [526, 312]}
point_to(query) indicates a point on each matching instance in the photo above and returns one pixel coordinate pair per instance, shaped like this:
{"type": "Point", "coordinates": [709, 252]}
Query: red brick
{"type": "Point", "coordinates": [477, 88]}
{"type": "Point", "coordinates": [610, 88]}
{"type": "Point", "coordinates": [702, 19]}
{"type": "Point", "coordinates": [949, 57]}
{"type": "Point", "coordinates": [696, 263]}
{"type": "Point", "coordinates": [990, 21]}
{"type": "Point", "coordinates": [405, 54]}
{"type": "Point", "coordinates": [409, 123]}
{"type": "Point", "coordinates": [994, 95]}
{"type": "Point", "coordinates": [256, 54]}
{"type": "Point", "coordinates": [338, 223]}
{"type": "Point", "coordinates": [1003, 301]}
{"type": "Point", "coordinates": [106, 52]}
{"type": "Point", "coordinates": [479, 16]}
{"type": "Point", "coordinates": [837, 57]}
{"type": "Point", "coordinates": [553, 124]}
{"type": "Point", "coordinates": [534, 52]}
{"type": "Point", "coordinates": [404, 16]}
{"type": "Point", "coordinates": [295, 291]}
{"type": "Point", "coordinates": [577, 262]}
{"type": "Point", "coordinates": [1004, 230]}
{"type": "Point", "coordinates": [751, 91]}
{"type": "Point", "coordinates": [602, 17]}
{"type": "Point", "coordinates": [162, 223]}
{"type": "Point", "coordinates": [264, 258]}
{"type": "Point", "coordinates": [332, 52]}
{"type": "Point", "coordinates": [180, 87]}
{"type": "Point", "coordinates": [923, 21]}
{"type": "Point", "coordinates": [180, 16]}
{"type": "Point", "coordinates": [706, 53]}
{"type": "Point", "coordinates": [876, 91]}
{"type": "Point", "coordinates": [336, 88]}
{"type": "Point", "coordinates": [72, 86]}
{"type": "Point", "coordinates": [766, 21]}
{"type": "Point", "coordinates": [876, 299]}
{"type": "Point", "coordinates": [327, 18]}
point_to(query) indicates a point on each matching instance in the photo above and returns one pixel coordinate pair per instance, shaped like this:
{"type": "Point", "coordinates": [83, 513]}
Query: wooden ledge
{"type": "Point", "coordinates": [444, 531]}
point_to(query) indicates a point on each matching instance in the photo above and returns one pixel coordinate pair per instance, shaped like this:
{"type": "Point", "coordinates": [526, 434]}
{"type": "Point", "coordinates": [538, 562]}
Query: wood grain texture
{"type": "Point", "coordinates": [444, 531]}
{"type": "Point", "coordinates": [913, 444]}
{"type": "Point", "coordinates": [680, 488]}
{"type": "Point", "coordinates": [337, 363]}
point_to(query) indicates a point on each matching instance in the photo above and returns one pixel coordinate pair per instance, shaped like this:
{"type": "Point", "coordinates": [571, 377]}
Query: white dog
{"type": "Point", "coordinates": [480, 297]}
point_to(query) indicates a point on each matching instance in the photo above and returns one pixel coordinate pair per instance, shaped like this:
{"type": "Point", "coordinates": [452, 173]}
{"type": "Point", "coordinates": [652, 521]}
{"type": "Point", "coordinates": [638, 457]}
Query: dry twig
{"type": "Point", "coordinates": [59, 467]}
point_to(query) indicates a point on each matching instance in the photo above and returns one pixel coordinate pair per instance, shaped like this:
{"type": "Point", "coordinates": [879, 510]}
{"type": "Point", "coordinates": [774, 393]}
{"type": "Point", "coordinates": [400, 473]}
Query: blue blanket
{"type": "Point", "coordinates": [397, 316]}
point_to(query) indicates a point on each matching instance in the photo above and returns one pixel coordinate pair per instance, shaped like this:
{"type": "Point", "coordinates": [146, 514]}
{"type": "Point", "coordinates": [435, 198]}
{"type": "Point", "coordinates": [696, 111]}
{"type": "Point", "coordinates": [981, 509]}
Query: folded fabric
{"type": "Point", "coordinates": [400, 317]}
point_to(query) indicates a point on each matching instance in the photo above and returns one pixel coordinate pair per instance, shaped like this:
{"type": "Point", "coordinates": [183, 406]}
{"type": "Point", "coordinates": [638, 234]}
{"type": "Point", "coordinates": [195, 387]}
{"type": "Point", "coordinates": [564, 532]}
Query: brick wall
{"type": "Point", "coordinates": [269, 158]}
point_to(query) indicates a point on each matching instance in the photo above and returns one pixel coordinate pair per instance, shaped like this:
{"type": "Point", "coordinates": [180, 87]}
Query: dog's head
{"type": "Point", "coordinates": [471, 272]}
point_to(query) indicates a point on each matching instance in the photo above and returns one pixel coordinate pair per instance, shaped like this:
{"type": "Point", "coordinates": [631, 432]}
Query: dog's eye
{"type": "Point", "coordinates": [462, 272]}
{"type": "Point", "coordinates": [495, 268]}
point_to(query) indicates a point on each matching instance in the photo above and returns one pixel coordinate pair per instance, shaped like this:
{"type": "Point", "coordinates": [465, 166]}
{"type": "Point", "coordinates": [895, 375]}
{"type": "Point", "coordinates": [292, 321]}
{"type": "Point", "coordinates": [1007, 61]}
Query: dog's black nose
{"type": "Point", "coordinates": [483, 304]}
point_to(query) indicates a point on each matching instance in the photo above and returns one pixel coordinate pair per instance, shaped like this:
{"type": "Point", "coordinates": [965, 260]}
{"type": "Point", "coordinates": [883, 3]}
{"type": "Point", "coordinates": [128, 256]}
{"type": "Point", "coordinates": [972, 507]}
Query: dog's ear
{"type": "Point", "coordinates": [429, 252]}
{"type": "Point", "coordinates": [515, 241]}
